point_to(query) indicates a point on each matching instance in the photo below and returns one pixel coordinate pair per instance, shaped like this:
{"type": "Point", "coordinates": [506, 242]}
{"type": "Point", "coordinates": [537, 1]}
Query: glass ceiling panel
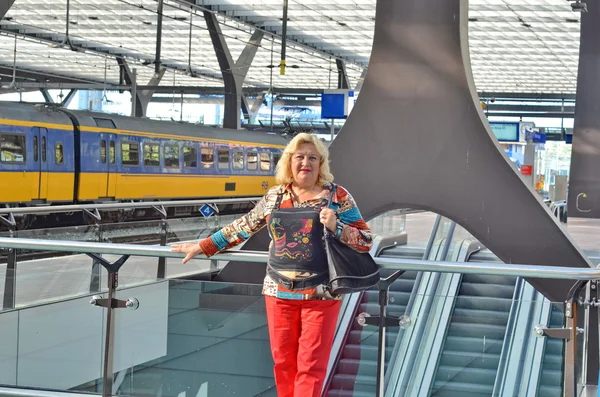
{"type": "Point", "coordinates": [515, 45]}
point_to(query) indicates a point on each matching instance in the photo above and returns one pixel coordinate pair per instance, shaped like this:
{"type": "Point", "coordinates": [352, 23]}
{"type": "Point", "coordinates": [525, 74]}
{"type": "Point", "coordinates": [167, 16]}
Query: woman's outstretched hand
{"type": "Point", "coordinates": [189, 249]}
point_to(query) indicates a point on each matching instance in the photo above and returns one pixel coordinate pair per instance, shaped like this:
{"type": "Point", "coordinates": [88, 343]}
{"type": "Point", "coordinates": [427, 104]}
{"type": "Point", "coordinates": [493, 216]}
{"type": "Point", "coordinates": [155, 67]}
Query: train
{"type": "Point", "coordinates": [51, 155]}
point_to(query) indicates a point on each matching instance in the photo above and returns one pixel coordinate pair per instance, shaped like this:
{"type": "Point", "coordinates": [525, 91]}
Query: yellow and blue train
{"type": "Point", "coordinates": [50, 155]}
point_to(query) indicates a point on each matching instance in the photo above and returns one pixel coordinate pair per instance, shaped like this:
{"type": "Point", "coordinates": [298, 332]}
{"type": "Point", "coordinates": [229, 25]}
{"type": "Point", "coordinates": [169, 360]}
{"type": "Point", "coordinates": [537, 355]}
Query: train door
{"type": "Point", "coordinates": [111, 165]}
{"type": "Point", "coordinates": [40, 147]}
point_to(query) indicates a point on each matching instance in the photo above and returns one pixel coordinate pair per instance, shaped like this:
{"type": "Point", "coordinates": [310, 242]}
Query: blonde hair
{"type": "Point", "coordinates": [283, 170]}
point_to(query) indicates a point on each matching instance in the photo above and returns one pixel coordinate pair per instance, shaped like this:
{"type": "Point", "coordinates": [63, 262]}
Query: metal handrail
{"type": "Point", "coordinates": [54, 209]}
{"type": "Point", "coordinates": [535, 271]}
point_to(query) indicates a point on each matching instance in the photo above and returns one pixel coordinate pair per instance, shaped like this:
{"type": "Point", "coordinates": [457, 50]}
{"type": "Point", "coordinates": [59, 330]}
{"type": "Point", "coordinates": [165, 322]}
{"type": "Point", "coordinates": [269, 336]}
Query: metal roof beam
{"type": "Point", "coordinates": [343, 82]}
{"type": "Point", "coordinates": [143, 96]}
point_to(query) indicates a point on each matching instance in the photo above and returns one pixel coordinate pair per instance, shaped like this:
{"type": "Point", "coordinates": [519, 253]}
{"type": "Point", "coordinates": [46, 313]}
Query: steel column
{"type": "Point", "coordinates": [444, 157]}
{"type": "Point", "coordinates": [592, 338]}
{"type": "Point", "coordinates": [283, 37]}
{"type": "Point", "coordinates": [584, 179]}
{"type": "Point", "coordinates": [343, 82]}
{"type": "Point", "coordinates": [233, 74]}
{"type": "Point", "coordinates": [10, 278]}
{"type": "Point", "coordinates": [159, 19]}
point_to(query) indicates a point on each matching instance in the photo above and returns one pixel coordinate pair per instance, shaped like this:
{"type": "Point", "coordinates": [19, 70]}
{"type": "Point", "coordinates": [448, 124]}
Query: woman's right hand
{"type": "Point", "coordinates": [190, 249]}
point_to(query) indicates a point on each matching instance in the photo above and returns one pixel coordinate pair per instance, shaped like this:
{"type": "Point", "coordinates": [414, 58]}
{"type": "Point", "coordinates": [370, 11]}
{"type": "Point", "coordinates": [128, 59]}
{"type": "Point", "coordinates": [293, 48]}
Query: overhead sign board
{"type": "Point", "coordinates": [505, 132]}
{"type": "Point", "coordinates": [334, 104]}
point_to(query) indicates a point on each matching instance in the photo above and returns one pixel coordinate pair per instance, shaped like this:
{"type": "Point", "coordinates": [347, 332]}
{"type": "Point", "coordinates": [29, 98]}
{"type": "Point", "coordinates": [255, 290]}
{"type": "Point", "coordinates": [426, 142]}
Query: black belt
{"type": "Point", "coordinates": [297, 283]}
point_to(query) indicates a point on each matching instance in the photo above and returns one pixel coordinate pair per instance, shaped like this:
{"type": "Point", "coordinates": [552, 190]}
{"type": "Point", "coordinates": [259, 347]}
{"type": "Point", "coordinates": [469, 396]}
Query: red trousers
{"type": "Point", "coordinates": [301, 334]}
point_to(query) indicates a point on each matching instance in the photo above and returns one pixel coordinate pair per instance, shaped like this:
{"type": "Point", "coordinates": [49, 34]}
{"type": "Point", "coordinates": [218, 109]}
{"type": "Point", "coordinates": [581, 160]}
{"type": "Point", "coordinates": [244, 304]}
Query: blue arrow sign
{"type": "Point", "coordinates": [207, 210]}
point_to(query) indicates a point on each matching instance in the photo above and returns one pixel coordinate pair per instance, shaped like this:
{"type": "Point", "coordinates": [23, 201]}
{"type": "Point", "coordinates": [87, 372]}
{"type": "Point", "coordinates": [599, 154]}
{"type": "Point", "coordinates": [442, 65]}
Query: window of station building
{"type": "Point", "coordinates": [12, 148]}
{"type": "Point", "coordinates": [172, 156]}
{"type": "Point", "coordinates": [103, 151]}
{"type": "Point", "coordinates": [223, 159]}
{"type": "Point", "coordinates": [190, 157]}
{"type": "Point", "coordinates": [130, 153]}
{"type": "Point", "coordinates": [276, 158]}
{"type": "Point", "coordinates": [238, 160]}
{"type": "Point", "coordinates": [208, 157]}
{"type": "Point", "coordinates": [151, 155]}
{"type": "Point", "coordinates": [265, 161]}
{"type": "Point", "coordinates": [111, 152]}
{"type": "Point", "coordinates": [59, 157]}
{"type": "Point", "coordinates": [35, 149]}
{"type": "Point", "coordinates": [252, 161]}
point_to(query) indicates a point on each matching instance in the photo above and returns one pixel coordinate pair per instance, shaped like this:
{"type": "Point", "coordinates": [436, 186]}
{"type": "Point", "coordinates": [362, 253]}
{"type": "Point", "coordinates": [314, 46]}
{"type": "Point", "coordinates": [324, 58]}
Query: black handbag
{"type": "Point", "coordinates": [349, 270]}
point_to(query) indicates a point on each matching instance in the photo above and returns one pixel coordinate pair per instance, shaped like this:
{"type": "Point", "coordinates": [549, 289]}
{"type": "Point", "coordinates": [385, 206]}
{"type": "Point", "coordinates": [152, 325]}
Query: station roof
{"type": "Point", "coordinates": [516, 46]}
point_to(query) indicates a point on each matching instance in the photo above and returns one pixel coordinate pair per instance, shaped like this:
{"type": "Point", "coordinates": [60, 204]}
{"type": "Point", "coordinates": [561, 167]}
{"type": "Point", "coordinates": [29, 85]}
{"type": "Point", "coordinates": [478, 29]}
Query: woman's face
{"type": "Point", "coordinates": [306, 163]}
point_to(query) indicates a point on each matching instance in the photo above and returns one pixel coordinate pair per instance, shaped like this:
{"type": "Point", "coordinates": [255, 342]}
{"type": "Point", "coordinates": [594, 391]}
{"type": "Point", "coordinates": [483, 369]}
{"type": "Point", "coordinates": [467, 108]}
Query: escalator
{"type": "Point", "coordinates": [551, 381]}
{"type": "Point", "coordinates": [357, 367]}
{"type": "Point", "coordinates": [475, 337]}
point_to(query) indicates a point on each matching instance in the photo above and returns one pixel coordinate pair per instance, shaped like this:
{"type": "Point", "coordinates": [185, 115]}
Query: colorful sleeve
{"type": "Point", "coordinates": [241, 229]}
{"type": "Point", "coordinates": [356, 232]}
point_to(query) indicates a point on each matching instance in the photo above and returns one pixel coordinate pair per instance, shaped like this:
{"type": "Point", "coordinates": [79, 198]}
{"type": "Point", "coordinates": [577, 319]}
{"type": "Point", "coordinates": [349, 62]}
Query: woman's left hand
{"type": "Point", "coordinates": [327, 217]}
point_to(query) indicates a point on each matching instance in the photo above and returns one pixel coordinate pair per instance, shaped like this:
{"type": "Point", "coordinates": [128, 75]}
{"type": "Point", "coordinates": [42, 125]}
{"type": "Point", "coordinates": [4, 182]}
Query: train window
{"type": "Point", "coordinates": [12, 148]}
{"type": "Point", "coordinates": [208, 157]}
{"type": "Point", "coordinates": [238, 160]}
{"type": "Point", "coordinates": [151, 155]}
{"type": "Point", "coordinates": [252, 161]}
{"type": "Point", "coordinates": [276, 158]}
{"type": "Point", "coordinates": [190, 157]}
{"type": "Point", "coordinates": [223, 159]}
{"type": "Point", "coordinates": [265, 161]}
{"type": "Point", "coordinates": [59, 157]}
{"type": "Point", "coordinates": [35, 149]}
{"type": "Point", "coordinates": [104, 123]}
{"type": "Point", "coordinates": [130, 153]}
{"type": "Point", "coordinates": [43, 149]}
{"type": "Point", "coordinates": [172, 156]}
{"type": "Point", "coordinates": [111, 152]}
{"type": "Point", "coordinates": [103, 151]}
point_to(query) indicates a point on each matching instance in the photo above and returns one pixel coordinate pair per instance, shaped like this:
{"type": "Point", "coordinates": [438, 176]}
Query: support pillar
{"type": "Point", "coordinates": [143, 97]}
{"type": "Point", "coordinates": [343, 82]}
{"type": "Point", "coordinates": [430, 146]}
{"type": "Point", "coordinates": [47, 97]}
{"type": "Point", "coordinates": [584, 179]}
{"type": "Point", "coordinates": [233, 74]}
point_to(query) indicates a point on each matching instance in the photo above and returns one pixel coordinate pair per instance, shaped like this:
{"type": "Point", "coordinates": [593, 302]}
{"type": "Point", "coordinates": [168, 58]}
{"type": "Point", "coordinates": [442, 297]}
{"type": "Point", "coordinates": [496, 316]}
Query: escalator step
{"type": "Point", "coordinates": [549, 391]}
{"type": "Point", "coordinates": [487, 290]}
{"type": "Point", "coordinates": [456, 389]}
{"type": "Point", "coordinates": [477, 316]}
{"type": "Point", "coordinates": [475, 376]}
{"type": "Point", "coordinates": [483, 303]}
{"type": "Point", "coordinates": [365, 352]}
{"type": "Point", "coordinates": [369, 335]}
{"type": "Point", "coordinates": [358, 383]}
{"type": "Point", "coordinates": [464, 344]}
{"type": "Point", "coordinates": [551, 378]}
{"type": "Point", "coordinates": [358, 367]}
{"type": "Point", "coordinates": [348, 393]}
{"type": "Point", "coordinates": [463, 359]}
{"type": "Point", "coordinates": [373, 309]}
{"type": "Point", "coordinates": [482, 331]}
{"type": "Point", "coordinates": [489, 279]}
{"type": "Point", "coordinates": [554, 347]}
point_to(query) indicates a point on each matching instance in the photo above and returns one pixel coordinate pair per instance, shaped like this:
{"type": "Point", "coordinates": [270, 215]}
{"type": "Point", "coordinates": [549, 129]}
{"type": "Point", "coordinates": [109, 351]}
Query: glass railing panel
{"type": "Point", "coordinates": [47, 276]}
{"type": "Point", "coordinates": [391, 222]}
{"type": "Point", "coordinates": [193, 338]}
{"type": "Point", "coordinates": [56, 346]}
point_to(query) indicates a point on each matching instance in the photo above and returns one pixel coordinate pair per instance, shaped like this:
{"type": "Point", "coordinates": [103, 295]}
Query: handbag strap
{"type": "Point", "coordinates": [331, 194]}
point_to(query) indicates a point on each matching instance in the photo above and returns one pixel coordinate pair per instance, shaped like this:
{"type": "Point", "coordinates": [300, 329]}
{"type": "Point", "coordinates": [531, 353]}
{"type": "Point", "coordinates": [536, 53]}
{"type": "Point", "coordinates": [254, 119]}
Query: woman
{"type": "Point", "coordinates": [301, 313]}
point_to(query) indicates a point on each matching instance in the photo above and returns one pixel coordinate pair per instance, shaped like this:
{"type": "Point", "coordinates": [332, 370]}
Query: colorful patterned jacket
{"type": "Point", "coordinates": [355, 232]}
